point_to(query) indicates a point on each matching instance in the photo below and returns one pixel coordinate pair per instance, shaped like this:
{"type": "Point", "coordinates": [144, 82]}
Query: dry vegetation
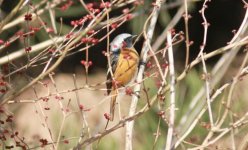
{"type": "Point", "coordinates": [174, 103]}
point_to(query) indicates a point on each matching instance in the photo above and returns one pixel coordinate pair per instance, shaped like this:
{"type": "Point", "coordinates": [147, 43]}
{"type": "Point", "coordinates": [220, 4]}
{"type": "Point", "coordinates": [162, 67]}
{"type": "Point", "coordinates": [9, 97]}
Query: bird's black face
{"type": "Point", "coordinates": [123, 40]}
{"type": "Point", "coordinates": [128, 42]}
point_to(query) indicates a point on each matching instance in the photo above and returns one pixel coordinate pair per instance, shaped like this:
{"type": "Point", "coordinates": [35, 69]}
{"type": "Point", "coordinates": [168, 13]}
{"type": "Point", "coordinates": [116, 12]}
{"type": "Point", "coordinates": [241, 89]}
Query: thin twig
{"type": "Point", "coordinates": [60, 59]}
{"type": "Point", "coordinates": [160, 40]}
{"type": "Point", "coordinates": [242, 121]}
{"type": "Point", "coordinates": [83, 118]}
{"type": "Point", "coordinates": [228, 103]}
{"type": "Point", "coordinates": [218, 72]}
{"type": "Point", "coordinates": [207, 83]}
{"type": "Point", "coordinates": [186, 22]}
{"type": "Point", "coordinates": [36, 48]}
{"type": "Point", "coordinates": [20, 19]}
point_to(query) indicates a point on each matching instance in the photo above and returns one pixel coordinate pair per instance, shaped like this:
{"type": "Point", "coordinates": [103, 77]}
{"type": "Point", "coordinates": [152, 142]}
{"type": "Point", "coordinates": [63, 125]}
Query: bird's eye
{"type": "Point", "coordinates": [129, 39]}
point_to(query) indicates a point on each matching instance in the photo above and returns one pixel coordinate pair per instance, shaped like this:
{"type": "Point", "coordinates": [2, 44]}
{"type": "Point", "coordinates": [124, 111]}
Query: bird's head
{"type": "Point", "coordinates": [124, 40]}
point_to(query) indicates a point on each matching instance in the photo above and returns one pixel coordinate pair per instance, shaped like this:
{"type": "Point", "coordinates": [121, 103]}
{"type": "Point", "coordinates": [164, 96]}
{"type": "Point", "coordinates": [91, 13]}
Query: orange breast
{"type": "Point", "coordinates": [126, 67]}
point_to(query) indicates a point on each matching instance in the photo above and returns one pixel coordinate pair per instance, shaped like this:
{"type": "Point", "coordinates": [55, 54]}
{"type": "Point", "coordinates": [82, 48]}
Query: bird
{"type": "Point", "coordinates": [124, 61]}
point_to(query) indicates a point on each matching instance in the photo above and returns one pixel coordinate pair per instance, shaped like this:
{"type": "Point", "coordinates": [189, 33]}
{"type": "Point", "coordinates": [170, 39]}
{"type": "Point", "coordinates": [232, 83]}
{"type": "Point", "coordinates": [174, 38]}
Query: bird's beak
{"type": "Point", "coordinates": [134, 36]}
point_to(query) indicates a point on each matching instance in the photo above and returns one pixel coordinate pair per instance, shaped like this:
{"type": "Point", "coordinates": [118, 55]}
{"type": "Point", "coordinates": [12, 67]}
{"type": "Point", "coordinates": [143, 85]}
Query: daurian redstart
{"type": "Point", "coordinates": [124, 64]}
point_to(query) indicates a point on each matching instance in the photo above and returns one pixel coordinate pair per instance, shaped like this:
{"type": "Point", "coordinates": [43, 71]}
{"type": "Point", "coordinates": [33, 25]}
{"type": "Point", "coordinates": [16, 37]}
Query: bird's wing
{"type": "Point", "coordinates": [113, 61]}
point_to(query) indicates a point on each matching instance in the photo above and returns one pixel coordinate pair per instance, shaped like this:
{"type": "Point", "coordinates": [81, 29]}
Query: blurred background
{"type": "Point", "coordinates": [44, 119]}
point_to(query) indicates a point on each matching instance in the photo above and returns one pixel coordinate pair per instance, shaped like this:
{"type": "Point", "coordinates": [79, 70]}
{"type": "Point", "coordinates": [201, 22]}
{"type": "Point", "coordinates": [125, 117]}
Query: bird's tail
{"type": "Point", "coordinates": [112, 104]}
